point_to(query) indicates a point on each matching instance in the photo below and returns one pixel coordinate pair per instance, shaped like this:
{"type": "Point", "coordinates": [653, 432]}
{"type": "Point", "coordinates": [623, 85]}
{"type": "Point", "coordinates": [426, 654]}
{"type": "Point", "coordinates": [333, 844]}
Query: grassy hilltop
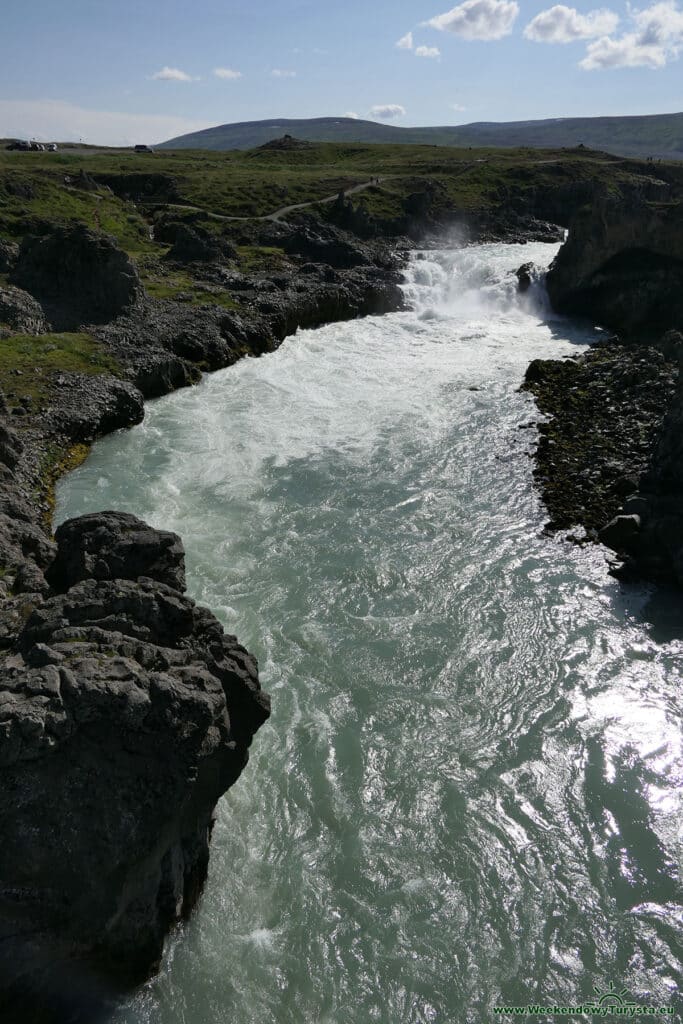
{"type": "Point", "coordinates": [126, 187]}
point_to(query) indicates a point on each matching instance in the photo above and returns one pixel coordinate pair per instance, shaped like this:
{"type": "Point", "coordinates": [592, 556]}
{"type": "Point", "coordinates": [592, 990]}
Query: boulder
{"type": "Point", "coordinates": [115, 545]}
{"type": "Point", "coordinates": [524, 275]}
{"type": "Point", "coordinates": [21, 312]}
{"type": "Point", "coordinates": [620, 532]}
{"type": "Point", "coordinates": [78, 276]}
{"type": "Point", "coordinates": [87, 407]}
{"type": "Point", "coordinates": [196, 245]}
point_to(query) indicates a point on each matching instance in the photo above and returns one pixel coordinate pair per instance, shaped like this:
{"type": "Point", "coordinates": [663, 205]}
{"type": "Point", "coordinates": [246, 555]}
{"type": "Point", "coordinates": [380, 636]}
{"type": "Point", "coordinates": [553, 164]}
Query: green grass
{"type": "Point", "coordinates": [258, 182]}
{"type": "Point", "coordinates": [182, 288]}
{"type": "Point", "coordinates": [208, 188]}
{"type": "Point", "coordinates": [29, 364]}
{"type": "Point", "coordinates": [29, 198]}
{"type": "Point", "coordinates": [254, 259]}
{"type": "Point", "coordinates": [163, 282]}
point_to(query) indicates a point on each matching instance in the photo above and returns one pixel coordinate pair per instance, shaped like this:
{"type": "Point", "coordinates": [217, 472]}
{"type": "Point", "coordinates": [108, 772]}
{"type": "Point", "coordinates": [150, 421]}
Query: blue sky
{"type": "Point", "coordinates": [126, 71]}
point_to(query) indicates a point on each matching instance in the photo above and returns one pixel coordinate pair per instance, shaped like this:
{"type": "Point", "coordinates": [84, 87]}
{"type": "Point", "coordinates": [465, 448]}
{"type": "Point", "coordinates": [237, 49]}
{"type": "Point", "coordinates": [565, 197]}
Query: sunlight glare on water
{"type": "Point", "coordinates": [468, 791]}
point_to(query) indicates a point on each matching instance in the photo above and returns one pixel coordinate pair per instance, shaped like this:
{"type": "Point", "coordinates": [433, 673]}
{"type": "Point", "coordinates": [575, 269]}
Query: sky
{"type": "Point", "coordinates": [129, 71]}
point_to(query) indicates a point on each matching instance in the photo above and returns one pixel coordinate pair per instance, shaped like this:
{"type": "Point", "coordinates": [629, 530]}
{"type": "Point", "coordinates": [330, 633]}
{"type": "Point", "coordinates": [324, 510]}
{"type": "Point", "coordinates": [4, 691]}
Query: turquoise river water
{"type": "Point", "coordinates": [468, 792]}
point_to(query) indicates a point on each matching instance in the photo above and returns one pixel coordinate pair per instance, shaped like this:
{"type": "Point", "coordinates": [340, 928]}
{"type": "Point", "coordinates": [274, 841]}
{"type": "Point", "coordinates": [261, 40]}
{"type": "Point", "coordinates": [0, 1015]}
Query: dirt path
{"type": "Point", "coordinates": [284, 210]}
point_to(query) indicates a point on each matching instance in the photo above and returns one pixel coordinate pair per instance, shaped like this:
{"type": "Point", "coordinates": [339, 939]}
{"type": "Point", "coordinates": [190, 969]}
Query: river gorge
{"type": "Point", "coordinates": [467, 793]}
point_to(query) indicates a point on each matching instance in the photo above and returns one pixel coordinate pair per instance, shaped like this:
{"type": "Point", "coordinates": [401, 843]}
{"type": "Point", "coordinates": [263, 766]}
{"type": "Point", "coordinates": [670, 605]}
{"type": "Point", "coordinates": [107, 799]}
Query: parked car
{"type": "Point", "coordinates": [143, 149]}
{"type": "Point", "coordinates": [52, 147]}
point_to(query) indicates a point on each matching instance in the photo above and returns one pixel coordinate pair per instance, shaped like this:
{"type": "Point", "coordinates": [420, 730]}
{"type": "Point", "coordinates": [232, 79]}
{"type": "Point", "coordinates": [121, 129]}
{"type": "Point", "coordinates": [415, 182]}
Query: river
{"type": "Point", "coordinates": [469, 791]}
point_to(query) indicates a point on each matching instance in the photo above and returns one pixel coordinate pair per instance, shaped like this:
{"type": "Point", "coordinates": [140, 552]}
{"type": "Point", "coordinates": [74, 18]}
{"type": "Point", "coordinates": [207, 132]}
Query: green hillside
{"type": "Point", "coordinates": [656, 135]}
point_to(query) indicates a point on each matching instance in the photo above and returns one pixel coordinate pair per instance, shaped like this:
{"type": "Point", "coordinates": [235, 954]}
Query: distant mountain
{"type": "Point", "coordinates": [657, 135]}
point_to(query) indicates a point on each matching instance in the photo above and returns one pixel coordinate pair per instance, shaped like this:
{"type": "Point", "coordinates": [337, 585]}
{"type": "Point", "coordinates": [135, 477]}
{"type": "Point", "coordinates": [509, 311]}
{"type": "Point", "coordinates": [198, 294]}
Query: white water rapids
{"type": "Point", "coordinates": [468, 792]}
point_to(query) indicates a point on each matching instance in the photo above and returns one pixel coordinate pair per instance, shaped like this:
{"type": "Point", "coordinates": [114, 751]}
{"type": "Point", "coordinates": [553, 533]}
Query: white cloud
{"type": "Point", "coordinates": [428, 51]}
{"type": "Point", "coordinates": [562, 24]}
{"type": "Point", "coordinates": [58, 121]}
{"type": "Point", "coordinates": [656, 39]}
{"type": "Point", "coordinates": [458, 107]}
{"type": "Point", "coordinates": [478, 19]}
{"type": "Point", "coordinates": [171, 75]}
{"type": "Point", "coordinates": [405, 42]}
{"type": "Point", "coordinates": [353, 115]}
{"type": "Point", "coordinates": [282, 73]}
{"type": "Point", "coordinates": [226, 73]}
{"type": "Point", "coordinates": [387, 111]}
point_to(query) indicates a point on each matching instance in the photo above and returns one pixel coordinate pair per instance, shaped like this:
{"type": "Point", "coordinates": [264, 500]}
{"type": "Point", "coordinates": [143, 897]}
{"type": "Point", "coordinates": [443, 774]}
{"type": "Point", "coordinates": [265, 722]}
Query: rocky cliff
{"type": "Point", "coordinates": [78, 276]}
{"type": "Point", "coordinates": [125, 713]}
{"type": "Point", "coordinates": [648, 530]}
{"type": "Point", "coordinates": [622, 266]}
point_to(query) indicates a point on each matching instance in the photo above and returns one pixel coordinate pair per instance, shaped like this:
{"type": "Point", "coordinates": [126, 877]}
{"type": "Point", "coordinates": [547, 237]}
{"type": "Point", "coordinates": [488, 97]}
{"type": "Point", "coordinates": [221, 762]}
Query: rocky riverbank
{"type": "Point", "coordinates": [605, 412]}
{"type": "Point", "coordinates": [609, 457]}
{"type": "Point", "coordinates": [125, 711]}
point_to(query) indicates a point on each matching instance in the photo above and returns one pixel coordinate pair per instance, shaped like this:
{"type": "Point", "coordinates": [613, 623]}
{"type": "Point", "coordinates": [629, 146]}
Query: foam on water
{"type": "Point", "coordinates": [468, 792]}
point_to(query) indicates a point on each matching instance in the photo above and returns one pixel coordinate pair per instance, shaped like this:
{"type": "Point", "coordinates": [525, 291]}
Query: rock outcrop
{"type": "Point", "coordinates": [20, 312]}
{"type": "Point", "coordinates": [286, 142]}
{"type": "Point", "coordinates": [652, 545]}
{"type": "Point", "coordinates": [622, 266]}
{"type": "Point", "coordinates": [197, 245]}
{"type": "Point", "coordinates": [78, 276]}
{"type": "Point", "coordinates": [8, 255]}
{"type": "Point", "coordinates": [125, 713]}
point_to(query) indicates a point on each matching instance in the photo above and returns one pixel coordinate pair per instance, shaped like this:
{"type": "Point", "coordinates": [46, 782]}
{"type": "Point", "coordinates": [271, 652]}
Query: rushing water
{"type": "Point", "coordinates": [467, 793]}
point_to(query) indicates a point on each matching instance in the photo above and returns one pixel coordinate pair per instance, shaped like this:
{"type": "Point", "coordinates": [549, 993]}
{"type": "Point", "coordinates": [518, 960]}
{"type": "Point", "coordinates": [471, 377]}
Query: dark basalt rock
{"type": "Point", "coordinates": [8, 255]}
{"type": "Point", "coordinates": [620, 532]}
{"type": "Point", "coordinates": [286, 142]}
{"type": "Point", "coordinates": [11, 446]}
{"type": "Point", "coordinates": [115, 545]}
{"type": "Point", "coordinates": [524, 276]}
{"type": "Point", "coordinates": [196, 245]}
{"type": "Point", "coordinates": [656, 550]}
{"type": "Point", "coordinates": [141, 186]}
{"type": "Point", "coordinates": [125, 713]}
{"type": "Point", "coordinates": [325, 246]}
{"type": "Point", "coordinates": [87, 410]}
{"type": "Point", "coordinates": [622, 266]}
{"type": "Point", "coordinates": [78, 276]}
{"type": "Point", "coordinates": [21, 312]}
{"type": "Point", "coordinates": [606, 411]}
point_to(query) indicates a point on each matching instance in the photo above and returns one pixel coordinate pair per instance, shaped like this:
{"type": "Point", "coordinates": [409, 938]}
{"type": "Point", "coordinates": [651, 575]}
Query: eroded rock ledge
{"type": "Point", "coordinates": [125, 713]}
